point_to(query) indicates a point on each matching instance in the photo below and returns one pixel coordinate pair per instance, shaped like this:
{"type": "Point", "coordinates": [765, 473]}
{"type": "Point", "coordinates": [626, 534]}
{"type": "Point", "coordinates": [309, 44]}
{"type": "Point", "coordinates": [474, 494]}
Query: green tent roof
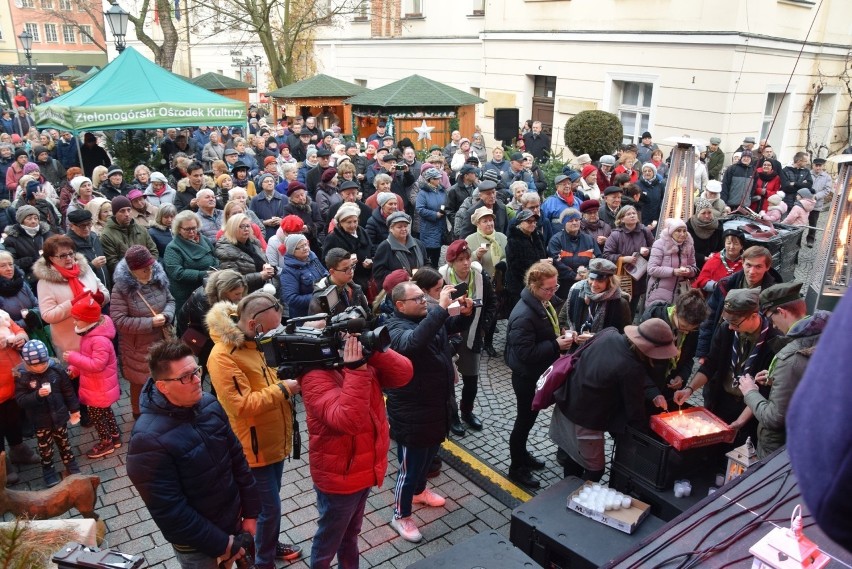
{"type": "Point", "coordinates": [415, 91]}
{"type": "Point", "coordinates": [70, 74]}
{"type": "Point", "coordinates": [134, 92]}
{"type": "Point", "coordinates": [212, 81]}
{"type": "Point", "coordinates": [318, 86]}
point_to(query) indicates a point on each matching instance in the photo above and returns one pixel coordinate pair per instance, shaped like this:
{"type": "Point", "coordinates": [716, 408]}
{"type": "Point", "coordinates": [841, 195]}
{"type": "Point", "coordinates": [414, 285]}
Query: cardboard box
{"type": "Point", "coordinates": [624, 520]}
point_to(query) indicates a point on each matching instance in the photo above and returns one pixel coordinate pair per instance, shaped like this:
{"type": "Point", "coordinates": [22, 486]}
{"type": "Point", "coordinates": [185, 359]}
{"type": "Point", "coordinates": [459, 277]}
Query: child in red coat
{"type": "Point", "coordinates": [98, 369]}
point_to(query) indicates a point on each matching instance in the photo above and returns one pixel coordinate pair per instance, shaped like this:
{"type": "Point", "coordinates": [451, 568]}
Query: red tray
{"type": "Point", "coordinates": [680, 442]}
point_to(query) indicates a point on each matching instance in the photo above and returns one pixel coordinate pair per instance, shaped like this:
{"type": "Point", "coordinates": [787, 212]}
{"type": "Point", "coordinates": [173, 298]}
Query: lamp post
{"type": "Point", "coordinates": [117, 19]}
{"type": "Point", "coordinates": [27, 43]}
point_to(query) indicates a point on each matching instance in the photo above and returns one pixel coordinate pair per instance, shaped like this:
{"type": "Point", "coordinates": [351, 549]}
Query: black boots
{"type": "Point", "coordinates": [522, 475]}
{"type": "Point", "coordinates": [472, 420]}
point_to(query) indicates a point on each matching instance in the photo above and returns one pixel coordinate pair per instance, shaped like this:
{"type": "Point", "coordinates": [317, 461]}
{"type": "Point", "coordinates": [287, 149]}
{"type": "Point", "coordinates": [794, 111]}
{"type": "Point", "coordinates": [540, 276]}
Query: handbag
{"type": "Point", "coordinates": [195, 339]}
{"type": "Point", "coordinates": [556, 376]}
{"type": "Point", "coordinates": [168, 330]}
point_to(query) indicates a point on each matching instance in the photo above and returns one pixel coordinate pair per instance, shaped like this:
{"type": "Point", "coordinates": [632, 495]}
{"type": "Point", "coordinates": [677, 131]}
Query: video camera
{"type": "Point", "coordinates": [298, 349]}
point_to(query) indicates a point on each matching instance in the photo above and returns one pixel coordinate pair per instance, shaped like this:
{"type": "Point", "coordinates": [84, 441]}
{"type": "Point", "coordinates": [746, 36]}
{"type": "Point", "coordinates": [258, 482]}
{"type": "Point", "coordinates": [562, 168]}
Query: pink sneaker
{"type": "Point", "coordinates": [407, 529]}
{"type": "Point", "coordinates": [429, 498]}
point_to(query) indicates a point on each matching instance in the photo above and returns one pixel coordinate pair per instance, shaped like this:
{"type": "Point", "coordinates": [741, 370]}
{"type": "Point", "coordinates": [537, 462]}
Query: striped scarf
{"type": "Point", "coordinates": [736, 350]}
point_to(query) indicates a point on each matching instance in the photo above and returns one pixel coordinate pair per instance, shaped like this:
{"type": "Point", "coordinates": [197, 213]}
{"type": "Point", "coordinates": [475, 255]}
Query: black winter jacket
{"type": "Point", "coordinates": [25, 249]}
{"type": "Point", "coordinates": [190, 471]}
{"type": "Point", "coordinates": [45, 412]}
{"type": "Point", "coordinates": [683, 368]}
{"type": "Point", "coordinates": [522, 251]}
{"type": "Point", "coordinates": [359, 245]}
{"type": "Point", "coordinates": [377, 229]}
{"type": "Point", "coordinates": [530, 339]}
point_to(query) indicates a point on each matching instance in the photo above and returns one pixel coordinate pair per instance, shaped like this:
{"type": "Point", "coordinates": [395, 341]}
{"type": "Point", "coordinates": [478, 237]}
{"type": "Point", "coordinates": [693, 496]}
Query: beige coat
{"type": "Point", "coordinates": [54, 301]}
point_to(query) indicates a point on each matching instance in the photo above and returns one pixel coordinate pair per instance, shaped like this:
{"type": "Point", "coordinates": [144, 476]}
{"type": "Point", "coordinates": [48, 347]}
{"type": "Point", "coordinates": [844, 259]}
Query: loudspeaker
{"type": "Point", "coordinates": [506, 123]}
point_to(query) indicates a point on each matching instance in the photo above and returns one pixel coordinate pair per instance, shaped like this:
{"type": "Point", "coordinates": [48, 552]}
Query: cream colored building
{"type": "Point", "coordinates": [705, 68]}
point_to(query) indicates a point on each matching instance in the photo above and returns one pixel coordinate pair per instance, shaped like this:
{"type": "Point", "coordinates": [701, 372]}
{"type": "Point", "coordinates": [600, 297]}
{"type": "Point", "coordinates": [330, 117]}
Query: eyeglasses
{"type": "Point", "coordinates": [302, 246]}
{"type": "Point", "coordinates": [189, 229]}
{"type": "Point", "coordinates": [348, 269]}
{"type": "Point", "coordinates": [737, 323]}
{"type": "Point", "coordinates": [549, 290]}
{"type": "Point", "coordinates": [245, 226]}
{"type": "Point", "coordinates": [276, 307]}
{"type": "Point", "coordinates": [186, 378]}
{"type": "Point", "coordinates": [418, 299]}
{"type": "Point", "coordinates": [83, 225]}
{"type": "Point", "coordinates": [64, 256]}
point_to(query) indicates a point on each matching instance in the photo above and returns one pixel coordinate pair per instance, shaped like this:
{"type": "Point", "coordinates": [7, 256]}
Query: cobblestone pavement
{"type": "Point", "coordinates": [471, 508]}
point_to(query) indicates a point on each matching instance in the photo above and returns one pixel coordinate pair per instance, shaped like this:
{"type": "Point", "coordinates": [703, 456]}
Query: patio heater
{"type": "Point", "coordinates": [831, 273]}
{"type": "Point", "coordinates": [117, 18]}
{"type": "Point", "coordinates": [680, 196]}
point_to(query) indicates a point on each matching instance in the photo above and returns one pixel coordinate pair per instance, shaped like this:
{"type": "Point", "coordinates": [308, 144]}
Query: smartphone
{"type": "Point", "coordinates": [461, 290]}
{"type": "Point", "coordinates": [400, 167]}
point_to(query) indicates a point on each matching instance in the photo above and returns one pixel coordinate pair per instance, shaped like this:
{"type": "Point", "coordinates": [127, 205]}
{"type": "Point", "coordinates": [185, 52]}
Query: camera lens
{"type": "Point", "coordinates": [376, 340]}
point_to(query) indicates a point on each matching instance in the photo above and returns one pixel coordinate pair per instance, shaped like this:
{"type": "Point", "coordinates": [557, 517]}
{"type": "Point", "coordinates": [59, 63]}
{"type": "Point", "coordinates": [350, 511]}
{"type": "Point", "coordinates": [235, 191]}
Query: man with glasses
{"type": "Point", "coordinates": [122, 232]}
{"type": "Point", "coordinates": [259, 406]}
{"type": "Point", "coordinates": [742, 345]}
{"type": "Point", "coordinates": [188, 466]}
{"type": "Point", "coordinates": [88, 243]}
{"type": "Point", "coordinates": [419, 412]}
{"type": "Point", "coordinates": [341, 269]}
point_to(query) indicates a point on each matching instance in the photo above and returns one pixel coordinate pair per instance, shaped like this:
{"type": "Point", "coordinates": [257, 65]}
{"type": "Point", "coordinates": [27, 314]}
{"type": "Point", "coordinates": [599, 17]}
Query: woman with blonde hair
{"type": "Point", "coordinates": [99, 176]}
{"type": "Point", "coordinates": [101, 210]}
{"type": "Point", "coordinates": [239, 250]}
{"type": "Point", "coordinates": [235, 207]}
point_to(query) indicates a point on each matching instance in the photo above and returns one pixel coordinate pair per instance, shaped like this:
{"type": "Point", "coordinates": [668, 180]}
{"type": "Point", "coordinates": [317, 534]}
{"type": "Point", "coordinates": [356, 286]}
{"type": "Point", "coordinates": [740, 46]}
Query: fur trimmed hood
{"type": "Point", "coordinates": [208, 183]}
{"type": "Point", "coordinates": [47, 272]}
{"type": "Point", "coordinates": [15, 230]}
{"type": "Point", "coordinates": [125, 280]}
{"type": "Point", "coordinates": [220, 322]}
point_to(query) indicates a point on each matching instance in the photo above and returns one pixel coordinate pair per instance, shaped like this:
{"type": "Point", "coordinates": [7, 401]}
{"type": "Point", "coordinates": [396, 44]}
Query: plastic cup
{"type": "Point", "coordinates": [46, 385]}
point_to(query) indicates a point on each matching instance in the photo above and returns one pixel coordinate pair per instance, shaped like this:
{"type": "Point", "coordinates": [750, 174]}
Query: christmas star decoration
{"type": "Point", "coordinates": [423, 131]}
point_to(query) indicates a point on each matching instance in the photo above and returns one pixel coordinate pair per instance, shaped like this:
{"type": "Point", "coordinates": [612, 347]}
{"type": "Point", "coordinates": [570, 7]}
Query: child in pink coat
{"type": "Point", "coordinates": [775, 209]}
{"type": "Point", "coordinates": [805, 203]}
{"type": "Point", "coordinates": [98, 369]}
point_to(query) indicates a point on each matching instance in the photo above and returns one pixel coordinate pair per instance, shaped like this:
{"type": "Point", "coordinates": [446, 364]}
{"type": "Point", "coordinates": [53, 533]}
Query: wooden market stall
{"type": "Point", "coordinates": [415, 107]}
{"type": "Point", "coordinates": [223, 85]}
{"type": "Point", "coordinates": [65, 79]}
{"type": "Point", "coordinates": [320, 96]}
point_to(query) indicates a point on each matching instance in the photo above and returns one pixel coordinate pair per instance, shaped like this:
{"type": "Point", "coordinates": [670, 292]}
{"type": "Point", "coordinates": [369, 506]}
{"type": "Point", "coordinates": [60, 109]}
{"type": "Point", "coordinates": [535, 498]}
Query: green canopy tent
{"type": "Point", "coordinates": [133, 92]}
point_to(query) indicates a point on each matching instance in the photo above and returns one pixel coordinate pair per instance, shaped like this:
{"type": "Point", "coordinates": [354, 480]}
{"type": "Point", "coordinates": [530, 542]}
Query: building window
{"type": "Point", "coordinates": [478, 7]}
{"type": "Point", "coordinates": [27, 4]}
{"type": "Point", "coordinates": [775, 118]}
{"type": "Point", "coordinates": [33, 29]}
{"type": "Point", "coordinates": [47, 5]}
{"type": "Point", "coordinates": [361, 82]}
{"type": "Point", "coordinates": [86, 34]}
{"type": "Point", "coordinates": [362, 11]}
{"type": "Point", "coordinates": [412, 8]}
{"type": "Point", "coordinates": [65, 5]}
{"type": "Point", "coordinates": [68, 34]}
{"type": "Point", "coordinates": [633, 107]}
{"type": "Point", "coordinates": [50, 33]}
{"type": "Point", "coordinates": [544, 86]}
{"type": "Point", "coordinates": [822, 121]}
{"type": "Point", "coordinates": [81, 6]}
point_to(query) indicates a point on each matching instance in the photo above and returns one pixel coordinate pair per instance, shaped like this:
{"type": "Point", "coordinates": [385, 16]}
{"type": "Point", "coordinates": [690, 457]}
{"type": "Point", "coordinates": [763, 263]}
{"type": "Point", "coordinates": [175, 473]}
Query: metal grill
{"type": "Point", "coordinates": [680, 187]}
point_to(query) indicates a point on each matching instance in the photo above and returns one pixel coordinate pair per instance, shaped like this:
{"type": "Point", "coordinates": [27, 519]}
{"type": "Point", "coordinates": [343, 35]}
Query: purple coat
{"type": "Point", "coordinates": [666, 256]}
{"type": "Point", "coordinates": [97, 365]}
{"type": "Point", "coordinates": [623, 242]}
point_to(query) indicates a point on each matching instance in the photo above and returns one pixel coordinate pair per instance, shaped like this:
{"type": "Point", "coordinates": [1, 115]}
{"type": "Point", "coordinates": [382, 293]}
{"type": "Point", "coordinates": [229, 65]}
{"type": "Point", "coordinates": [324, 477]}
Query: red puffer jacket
{"type": "Point", "coordinates": [9, 359]}
{"type": "Point", "coordinates": [349, 434]}
{"type": "Point", "coordinates": [97, 365]}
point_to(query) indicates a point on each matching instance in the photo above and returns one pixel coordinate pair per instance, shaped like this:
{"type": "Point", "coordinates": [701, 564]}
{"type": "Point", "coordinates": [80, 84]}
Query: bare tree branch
{"type": "Point", "coordinates": [93, 19]}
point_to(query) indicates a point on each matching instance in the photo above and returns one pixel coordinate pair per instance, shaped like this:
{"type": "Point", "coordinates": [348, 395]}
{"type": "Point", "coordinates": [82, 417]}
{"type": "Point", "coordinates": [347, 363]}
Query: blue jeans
{"type": "Point", "coordinates": [268, 480]}
{"type": "Point", "coordinates": [411, 479]}
{"type": "Point", "coordinates": [340, 517]}
{"type": "Point", "coordinates": [196, 560]}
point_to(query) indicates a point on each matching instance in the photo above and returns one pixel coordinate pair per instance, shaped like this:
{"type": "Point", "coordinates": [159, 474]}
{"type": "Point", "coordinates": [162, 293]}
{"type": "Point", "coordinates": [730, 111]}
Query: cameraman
{"type": "Point", "coordinates": [419, 412]}
{"type": "Point", "coordinates": [348, 444]}
{"type": "Point", "coordinates": [341, 269]}
{"type": "Point", "coordinates": [259, 407]}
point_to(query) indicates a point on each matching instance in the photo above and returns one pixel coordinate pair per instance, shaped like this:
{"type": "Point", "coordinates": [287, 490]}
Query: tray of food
{"type": "Point", "coordinates": [691, 428]}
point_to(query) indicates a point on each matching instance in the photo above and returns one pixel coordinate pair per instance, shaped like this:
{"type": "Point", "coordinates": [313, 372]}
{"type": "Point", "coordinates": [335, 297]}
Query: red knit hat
{"type": "Point", "coordinates": [86, 310]}
{"type": "Point", "coordinates": [328, 175]}
{"type": "Point", "coordinates": [587, 169]}
{"type": "Point", "coordinates": [292, 224]}
{"type": "Point", "coordinates": [138, 257]}
{"type": "Point", "coordinates": [268, 160]}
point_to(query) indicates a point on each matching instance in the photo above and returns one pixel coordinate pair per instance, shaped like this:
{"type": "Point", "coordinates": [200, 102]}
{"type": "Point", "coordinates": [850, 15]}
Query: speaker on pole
{"type": "Point", "coordinates": [506, 123]}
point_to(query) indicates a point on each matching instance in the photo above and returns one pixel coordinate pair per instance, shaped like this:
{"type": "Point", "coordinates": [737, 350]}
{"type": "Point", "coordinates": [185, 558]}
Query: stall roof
{"type": "Point", "coordinates": [213, 81]}
{"type": "Point", "coordinates": [415, 91]}
{"type": "Point", "coordinates": [134, 92]}
{"type": "Point", "coordinates": [318, 86]}
{"type": "Point", "coordinates": [71, 74]}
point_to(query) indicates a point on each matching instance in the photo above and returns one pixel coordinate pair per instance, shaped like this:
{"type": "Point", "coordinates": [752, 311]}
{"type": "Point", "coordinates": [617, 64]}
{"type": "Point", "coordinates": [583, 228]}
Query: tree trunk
{"type": "Point", "coordinates": [166, 57]}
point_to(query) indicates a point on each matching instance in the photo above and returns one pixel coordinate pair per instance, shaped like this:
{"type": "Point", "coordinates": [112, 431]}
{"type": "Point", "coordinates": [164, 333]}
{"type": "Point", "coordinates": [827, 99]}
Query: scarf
{"type": "Point", "coordinates": [161, 191]}
{"type": "Point", "coordinates": [497, 252]}
{"type": "Point", "coordinates": [680, 338]}
{"type": "Point", "coordinates": [11, 287]}
{"type": "Point", "coordinates": [742, 366]}
{"type": "Point", "coordinates": [767, 176]}
{"type": "Point", "coordinates": [71, 275]}
{"type": "Point", "coordinates": [704, 229]}
{"type": "Point", "coordinates": [471, 283]}
{"type": "Point", "coordinates": [724, 259]}
{"type": "Point", "coordinates": [249, 248]}
{"type": "Point", "coordinates": [596, 305]}
{"type": "Point", "coordinates": [551, 315]}
{"type": "Point", "coordinates": [31, 231]}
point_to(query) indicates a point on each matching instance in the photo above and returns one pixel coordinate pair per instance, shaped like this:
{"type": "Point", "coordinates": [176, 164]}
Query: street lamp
{"type": "Point", "coordinates": [27, 43]}
{"type": "Point", "coordinates": [117, 19]}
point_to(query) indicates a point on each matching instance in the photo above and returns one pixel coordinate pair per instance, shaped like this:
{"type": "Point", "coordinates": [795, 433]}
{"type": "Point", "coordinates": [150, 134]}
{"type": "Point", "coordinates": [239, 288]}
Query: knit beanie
{"type": "Point", "coordinates": [328, 174]}
{"type": "Point", "coordinates": [384, 198]}
{"type": "Point", "coordinates": [32, 188]}
{"type": "Point", "coordinates": [292, 224]}
{"type": "Point", "coordinates": [292, 241]}
{"type": "Point", "coordinates": [86, 310]}
{"type": "Point", "coordinates": [587, 169]}
{"type": "Point", "coordinates": [20, 151]}
{"type": "Point", "coordinates": [261, 178]}
{"type": "Point", "coordinates": [221, 179]}
{"type": "Point", "coordinates": [651, 166]}
{"type": "Point", "coordinates": [138, 256]}
{"type": "Point", "coordinates": [776, 198]}
{"type": "Point", "coordinates": [347, 210]}
{"type": "Point", "coordinates": [119, 203]}
{"type": "Point", "coordinates": [78, 181]}
{"type": "Point", "coordinates": [30, 167]}
{"type": "Point", "coordinates": [34, 352]}
{"type": "Point", "coordinates": [702, 203]}
{"type": "Point", "coordinates": [24, 212]}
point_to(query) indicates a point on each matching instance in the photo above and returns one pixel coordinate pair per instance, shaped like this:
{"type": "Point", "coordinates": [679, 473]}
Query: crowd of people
{"type": "Point", "coordinates": [174, 275]}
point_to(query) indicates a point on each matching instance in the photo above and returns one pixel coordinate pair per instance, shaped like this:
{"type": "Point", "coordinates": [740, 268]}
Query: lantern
{"type": "Point", "coordinates": [831, 274]}
{"type": "Point", "coordinates": [788, 548]}
{"type": "Point", "coordinates": [680, 188]}
{"type": "Point", "coordinates": [740, 459]}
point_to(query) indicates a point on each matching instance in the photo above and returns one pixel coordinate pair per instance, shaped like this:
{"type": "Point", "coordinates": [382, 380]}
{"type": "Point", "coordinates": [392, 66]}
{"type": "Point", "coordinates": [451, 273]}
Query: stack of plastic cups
{"type": "Point", "coordinates": [682, 488]}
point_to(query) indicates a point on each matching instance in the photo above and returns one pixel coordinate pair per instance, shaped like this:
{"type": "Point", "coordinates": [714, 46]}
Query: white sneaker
{"type": "Point", "coordinates": [429, 498]}
{"type": "Point", "coordinates": [407, 529]}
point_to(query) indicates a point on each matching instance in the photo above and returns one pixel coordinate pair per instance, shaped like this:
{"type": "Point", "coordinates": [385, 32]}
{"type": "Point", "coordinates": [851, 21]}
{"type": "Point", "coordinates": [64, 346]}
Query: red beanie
{"type": "Point", "coordinates": [86, 310]}
{"type": "Point", "coordinates": [328, 175]}
{"type": "Point", "coordinates": [587, 169]}
{"type": "Point", "coordinates": [292, 224]}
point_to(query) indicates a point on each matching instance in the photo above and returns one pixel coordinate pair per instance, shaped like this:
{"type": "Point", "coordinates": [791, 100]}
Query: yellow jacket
{"type": "Point", "coordinates": [260, 412]}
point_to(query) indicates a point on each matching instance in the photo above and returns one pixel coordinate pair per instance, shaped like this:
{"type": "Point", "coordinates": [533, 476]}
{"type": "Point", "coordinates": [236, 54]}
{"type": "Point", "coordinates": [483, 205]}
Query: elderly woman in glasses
{"type": "Point", "coordinates": [595, 303]}
{"type": "Point", "coordinates": [188, 257]}
{"type": "Point", "coordinates": [301, 270]}
{"type": "Point", "coordinates": [62, 275]}
{"type": "Point", "coordinates": [239, 250]}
